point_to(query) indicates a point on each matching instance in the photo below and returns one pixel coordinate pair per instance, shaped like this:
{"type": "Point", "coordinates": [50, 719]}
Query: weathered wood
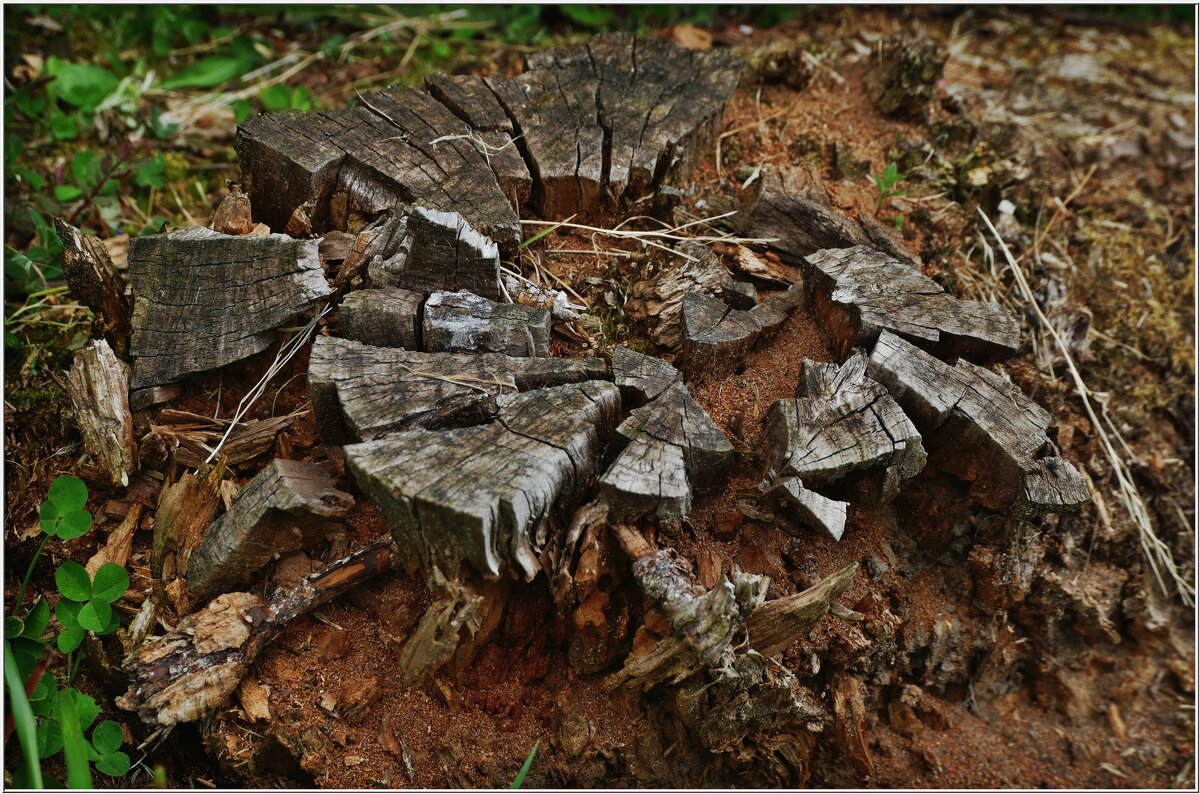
{"type": "Point", "coordinates": [192, 670]}
{"type": "Point", "coordinates": [981, 427]}
{"type": "Point", "coordinates": [436, 638]}
{"type": "Point", "coordinates": [738, 294]}
{"type": "Point", "coordinates": [97, 387]}
{"type": "Point", "coordinates": [462, 322]}
{"type": "Point", "coordinates": [185, 509]}
{"type": "Point", "coordinates": [387, 317]}
{"type": "Point", "coordinates": [809, 507]}
{"type": "Point", "coordinates": [903, 78]}
{"type": "Point", "coordinates": [780, 622]}
{"type": "Point", "coordinates": [485, 495]}
{"type": "Point", "coordinates": [385, 238]}
{"type": "Point", "coordinates": [860, 291]}
{"type": "Point", "coordinates": [360, 392]}
{"type": "Point", "coordinates": [339, 168]}
{"type": "Point", "coordinates": [289, 505]}
{"type": "Point", "coordinates": [442, 253]}
{"type": "Point", "coordinates": [641, 378]}
{"type": "Point", "coordinates": [716, 337]}
{"type": "Point", "coordinates": [672, 446]}
{"type": "Point", "coordinates": [97, 284]}
{"type": "Point", "coordinates": [233, 214]}
{"type": "Point", "coordinates": [190, 438]}
{"type": "Point", "coordinates": [700, 271]}
{"type": "Point", "coordinates": [202, 299]}
{"type": "Point", "coordinates": [843, 422]}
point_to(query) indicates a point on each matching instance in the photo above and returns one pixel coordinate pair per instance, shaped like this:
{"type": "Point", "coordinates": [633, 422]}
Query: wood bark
{"type": "Point", "coordinates": [486, 495]}
{"type": "Point", "coordinates": [462, 322]}
{"type": "Point", "coordinates": [641, 378]}
{"type": "Point", "coordinates": [717, 338]}
{"type": "Point", "coordinates": [387, 317]}
{"type": "Point", "coordinates": [289, 505]}
{"type": "Point", "coordinates": [777, 624]}
{"type": "Point", "coordinates": [97, 284]}
{"type": "Point", "coordinates": [981, 427]}
{"type": "Point", "coordinates": [439, 251]}
{"type": "Point", "coordinates": [202, 299]}
{"type": "Point", "coordinates": [99, 394]}
{"type": "Point", "coordinates": [185, 509]}
{"type": "Point", "coordinates": [360, 392]}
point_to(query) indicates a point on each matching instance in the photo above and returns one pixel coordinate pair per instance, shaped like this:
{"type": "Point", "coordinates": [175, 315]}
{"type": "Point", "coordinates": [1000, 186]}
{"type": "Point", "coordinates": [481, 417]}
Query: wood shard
{"type": "Point", "coordinates": [717, 338]}
{"type": "Point", "coordinates": [253, 698]}
{"type": "Point", "coordinates": [453, 613]}
{"type": "Point", "coordinates": [232, 215]}
{"type": "Point", "coordinates": [809, 507]}
{"type": "Point", "coordinates": [641, 378]}
{"type": "Point", "coordinates": [861, 291]}
{"type": "Point", "coordinates": [440, 251]}
{"type": "Point", "coordinates": [95, 281]}
{"type": "Point", "coordinates": [290, 505]}
{"type": "Point", "coordinates": [700, 271]}
{"type": "Point", "coordinates": [486, 495]}
{"type": "Point", "coordinates": [202, 299]}
{"type": "Point", "coordinates": [191, 437]}
{"type": "Point", "coordinates": [388, 317]}
{"type": "Point", "coordinates": [980, 426]}
{"type": "Point", "coordinates": [360, 392]}
{"type": "Point", "coordinates": [780, 622]}
{"type": "Point", "coordinates": [462, 322]}
{"type": "Point", "coordinates": [97, 387]}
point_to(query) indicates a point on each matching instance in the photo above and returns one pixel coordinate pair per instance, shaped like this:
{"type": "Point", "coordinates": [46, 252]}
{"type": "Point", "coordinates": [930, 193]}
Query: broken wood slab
{"type": "Point", "coordinates": [717, 338]}
{"type": "Point", "coordinates": [190, 438]}
{"type": "Point", "coordinates": [436, 638]}
{"type": "Point", "coordinates": [981, 427]}
{"type": "Point", "coordinates": [360, 392]}
{"type": "Point", "coordinates": [202, 299]}
{"type": "Point", "coordinates": [809, 507]}
{"type": "Point", "coordinates": [386, 317]}
{"type": "Point", "coordinates": [289, 505]}
{"type": "Point", "coordinates": [641, 378]}
{"type": "Point", "coordinates": [192, 670]}
{"type": "Point", "coordinates": [485, 495]}
{"type": "Point", "coordinates": [700, 271]}
{"type": "Point", "coordinates": [439, 251]}
{"type": "Point", "coordinates": [861, 291]}
{"type": "Point", "coordinates": [233, 215]}
{"type": "Point", "coordinates": [462, 322]}
{"type": "Point", "coordinates": [185, 509]}
{"type": "Point", "coordinates": [671, 447]}
{"type": "Point", "coordinates": [95, 281]}
{"type": "Point", "coordinates": [842, 422]}
{"type": "Point", "coordinates": [338, 169]}
{"type": "Point", "coordinates": [99, 394]}
{"type": "Point", "coordinates": [776, 624]}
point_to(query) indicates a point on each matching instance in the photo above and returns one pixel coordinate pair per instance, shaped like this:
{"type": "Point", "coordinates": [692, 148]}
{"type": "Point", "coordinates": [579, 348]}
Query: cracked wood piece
{"type": "Point", "coordinates": [95, 281]}
{"type": "Point", "coordinates": [386, 317]}
{"type": "Point", "coordinates": [387, 237]}
{"type": "Point", "coordinates": [337, 167]}
{"type": "Point", "coordinates": [641, 378]}
{"type": "Point", "coordinates": [982, 427]}
{"type": "Point", "coordinates": [192, 670]}
{"type": "Point", "coordinates": [233, 214]}
{"type": "Point", "coordinates": [738, 294]}
{"type": "Point", "coordinates": [842, 422]}
{"type": "Point", "coordinates": [436, 638]}
{"type": "Point", "coordinates": [360, 392]}
{"type": "Point", "coordinates": [468, 97]}
{"type": "Point", "coordinates": [202, 299]}
{"type": "Point", "coordinates": [861, 291]}
{"type": "Point", "coordinates": [780, 622]}
{"type": "Point", "coordinates": [442, 253]}
{"type": "Point", "coordinates": [809, 507]}
{"type": "Point", "coordinates": [462, 322]}
{"type": "Point", "coordinates": [716, 338]}
{"type": "Point", "coordinates": [672, 447]}
{"type": "Point", "coordinates": [700, 271]}
{"type": "Point", "coordinates": [97, 387]}
{"type": "Point", "coordinates": [190, 438]}
{"type": "Point", "coordinates": [792, 207]}
{"type": "Point", "coordinates": [486, 495]}
{"type": "Point", "coordinates": [289, 505]}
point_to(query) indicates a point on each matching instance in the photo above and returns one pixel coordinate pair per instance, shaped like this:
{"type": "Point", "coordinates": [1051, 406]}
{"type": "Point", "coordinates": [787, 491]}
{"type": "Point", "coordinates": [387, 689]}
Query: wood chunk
{"type": "Point", "coordinates": [387, 317]}
{"type": "Point", "coordinates": [861, 291]}
{"type": "Point", "coordinates": [384, 239]}
{"type": "Point", "coordinates": [485, 495]}
{"type": "Point", "coordinates": [444, 253]}
{"type": "Point", "coordinates": [232, 215]}
{"type": "Point", "coordinates": [360, 392]}
{"type": "Point", "coordinates": [340, 167]}
{"type": "Point", "coordinates": [792, 207]}
{"type": "Point", "coordinates": [462, 322]}
{"type": "Point", "coordinates": [738, 294]}
{"type": "Point", "coordinates": [717, 337]}
{"type": "Point", "coordinates": [253, 698]}
{"type": "Point", "coordinates": [97, 284]}
{"type": "Point", "coordinates": [185, 509]}
{"type": "Point", "coordinates": [433, 644]}
{"type": "Point", "coordinates": [190, 438]}
{"type": "Point", "coordinates": [288, 506]}
{"type": "Point", "coordinates": [780, 622]}
{"type": "Point", "coordinates": [641, 378]}
{"type": "Point", "coordinates": [202, 299]}
{"type": "Point", "coordinates": [702, 272]}
{"type": "Point", "coordinates": [97, 387]}
{"type": "Point", "coordinates": [844, 422]}
{"type": "Point", "coordinates": [809, 507]}
{"type": "Point", "coordinates": [983, 428]}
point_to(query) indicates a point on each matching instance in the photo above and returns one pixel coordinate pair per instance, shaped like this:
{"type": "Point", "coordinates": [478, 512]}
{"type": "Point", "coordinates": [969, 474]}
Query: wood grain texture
{"type": "Point", "coordinates": [97, 388]}
{"type": "Point", "coordinates": [700, 272]}
{"type": "Point", "coordinates": [461, 322]}
{"type": "Point", "coordinates": [386, 317]}
{"type": "Point", "coordinates": [809, 507]}
{"type": "Point", "coordinates": [439, 251]}
{"type": "Point", "coordinates": [641, 378]}
{"type": "Point", "coordinates": [96, 282]}
{"type": "Point", "coordinates": [717, 337]}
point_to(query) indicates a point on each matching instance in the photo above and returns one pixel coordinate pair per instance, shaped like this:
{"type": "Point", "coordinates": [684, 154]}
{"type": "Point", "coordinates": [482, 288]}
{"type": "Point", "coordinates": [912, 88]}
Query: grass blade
{"type": "Point", "coordinates": [525, 767]}
{"type": "Point", "coordinates": [525, 244]}
{"type": "Point", "coordinates": [22, 716]}
{"type": "Point", "coordinates": [79, 773]}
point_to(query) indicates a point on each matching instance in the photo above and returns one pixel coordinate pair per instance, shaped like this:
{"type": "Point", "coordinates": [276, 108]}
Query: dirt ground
{"type": "Point", "coordinates": [992, 653]}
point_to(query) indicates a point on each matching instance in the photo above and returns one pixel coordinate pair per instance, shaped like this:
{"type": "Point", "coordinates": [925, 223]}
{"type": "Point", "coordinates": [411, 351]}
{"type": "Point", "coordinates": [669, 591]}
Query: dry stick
{"type": "Point", "coordinates": [1157, 553]}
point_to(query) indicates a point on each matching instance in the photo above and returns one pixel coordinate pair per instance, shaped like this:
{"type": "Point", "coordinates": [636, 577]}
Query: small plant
{"type": "Point", "coordinates": [886, 189]}
{"type": "Point", "coordinates": [519, 780]}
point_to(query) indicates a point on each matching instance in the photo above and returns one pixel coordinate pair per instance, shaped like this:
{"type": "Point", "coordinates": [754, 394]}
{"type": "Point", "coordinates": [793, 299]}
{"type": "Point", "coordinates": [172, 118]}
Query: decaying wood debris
{"type": "Point", "coordinates": [700, 272]}
{"type": "Point", "coordinates": [100, 401]}
{"type": "Point", "coordinates": [437, 251]}
{"type": "Point", "coordinates": [641, 378]}
{"type": "Point", "coordinates": [97, 284]}
{"type": "Point", "coordinates": [457, 322]}
{"type": "Point", "coordinates": [716, 337]}
{"type": "Point", "coordinates": [386, 317]}
{"type": "Point", "coordinates": [188, 439]}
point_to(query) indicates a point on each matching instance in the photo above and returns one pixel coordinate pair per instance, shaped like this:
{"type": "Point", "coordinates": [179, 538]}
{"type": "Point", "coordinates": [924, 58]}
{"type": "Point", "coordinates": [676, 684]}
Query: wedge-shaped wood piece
{"type": "Point", "coordinates": [843, 422]}
{"type": "Point", "coordinates": [387, 317]}
{"type": "Point", "coordinates": [361, 392]}
{"type": "Point", "coordinates": [717, 338]}
{"type": "Point", "coordinates": [468, 97]}
{"type": "Point", "coordinates": [96, 283]}
{"type": "Point", "coordinates": [289, 505]}
{"type": "Point", "coordinates": [672, 447]}
{"type": "Point", "coordinates": [99, 396]}
{"type": "Point", "coordinates": [861, 291]}
{"type": "Point", "coordinates": [486, 495]}
{"type": "Point", "coordinates": [980, 426]}
{"type": "Point", "coordinates": [455, 610]}
{"type": "Point", "coordinates": [780, 622]}
{"type": "Point", "coordinates": [202, 299]}
{"type": "Point", "coordinates": [809, 507]}
{"type": "Point", "coordinates": [462, 322]}
{"type": "Point", "coordinates": [641, 378]}
{"type": "Point", "coordinates": [331, 170]}
{"type": "Point", "coordinates": [439, 252]}
{"type": "Point", "coordinates": [698, 271]}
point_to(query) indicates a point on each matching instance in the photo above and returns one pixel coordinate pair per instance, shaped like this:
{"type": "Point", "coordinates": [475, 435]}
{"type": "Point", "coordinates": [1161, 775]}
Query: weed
{"type": "Point", "coordinates": [519, 780]}
{"type": "Point", "coordinates": [886, 189]}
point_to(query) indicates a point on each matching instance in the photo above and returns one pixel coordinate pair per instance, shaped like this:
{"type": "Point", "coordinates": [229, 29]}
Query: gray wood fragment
{"type": "Point", "coordinates": [809, 507]}
{"type": "Point", "coordinates": [700, 272]}
{"type": "Point", "coordinates": [641, 378]}
{"type": "Point", "coordinates": [439, 252]}
{"type": "Point", "coordinates": [717, 338]}
{"type": "Point", "coordinates": [97, 283]}
{"type": "Point", "coordinates": [460, 322]}
{"type": "Point", "coordinates": [387, 317]}
{"type": "Point", "coordinates": [100, 403]}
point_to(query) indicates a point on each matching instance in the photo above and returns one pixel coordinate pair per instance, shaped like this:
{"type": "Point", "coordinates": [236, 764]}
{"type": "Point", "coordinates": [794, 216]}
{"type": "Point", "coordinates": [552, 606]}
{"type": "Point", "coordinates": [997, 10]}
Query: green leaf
{"type": "Point", "coordinates": [83, 85]}
{"type": "Point", "coordinates": [69, 639]}
{"type": "Point", "coordinates": [150, 173]}
{"type": "Point", "coordinates": [519, 780]}
{"type": "Point", "coordinates": [65, 193]}
{"type": "Point", "coordinates": [37, 620]}
{"type": "Point", "coordinates": [107, 737]}
{"type": "Point", "coordinates": [67, 612]}
{"type": "Point", "coordinates": [85, 167]}
{"type": "Point", "coordinates": [79, 773]}
{"type": "Point", "coordinates": [110, 583]}
{"type": "Point", "coordinates": [593, 17]}
{"type": "Point", "coordinates": [46, 689]}
{"type": "Point", "coordinates": [276, 98]}
{"type": "Point", "coordinates": [115, 764]}
{"type": "Point", "coordinates": [74, 524]}
{"type": "Point", "coordinates": [95, 615]}
{"type": "Point", "coordinates": [242, 110]}
{"type": "Point", "coordinates": [73, 581]}
{"type": "Point", "coordinates": [209, 72]}
{"type": "Point", "coordinates": [13, 627]}
{"type": "Point", "coordinates": [22, 717]}
{"type": "Point", "coordinates": [68, 492]}
{"type": "Point", "coordinates": [114, 623]}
